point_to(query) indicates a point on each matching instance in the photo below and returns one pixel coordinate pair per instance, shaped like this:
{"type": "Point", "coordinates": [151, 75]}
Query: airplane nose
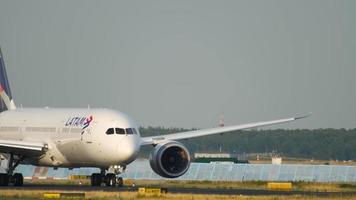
{"type": "Point", "coordinates": [128, 149]}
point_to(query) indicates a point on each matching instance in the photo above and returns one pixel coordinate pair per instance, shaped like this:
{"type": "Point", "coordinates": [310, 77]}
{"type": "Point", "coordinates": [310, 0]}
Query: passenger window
{"type": "Point", "coordinates": [129, 131]}
{"type": "Point", "coordinates": [120, 131]}
{"type": "Point", "coordinates": [110, 131]}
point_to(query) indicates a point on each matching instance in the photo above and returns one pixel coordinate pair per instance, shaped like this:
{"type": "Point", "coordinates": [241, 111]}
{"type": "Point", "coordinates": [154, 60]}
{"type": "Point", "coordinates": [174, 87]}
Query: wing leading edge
{"type": "Point", "coordinates": [22, 148]}
{"type": "Point", "coordinates": [198, 133]}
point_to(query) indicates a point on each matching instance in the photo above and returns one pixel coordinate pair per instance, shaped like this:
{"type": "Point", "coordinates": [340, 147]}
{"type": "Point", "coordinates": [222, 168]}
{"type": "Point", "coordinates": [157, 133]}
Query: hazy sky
{"type": "Point", "coordinates": [183, 63]}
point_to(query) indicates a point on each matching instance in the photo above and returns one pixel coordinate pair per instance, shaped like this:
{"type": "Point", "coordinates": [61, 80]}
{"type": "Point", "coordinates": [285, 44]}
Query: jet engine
{"type": "Point", "coordinates": [170, 159]}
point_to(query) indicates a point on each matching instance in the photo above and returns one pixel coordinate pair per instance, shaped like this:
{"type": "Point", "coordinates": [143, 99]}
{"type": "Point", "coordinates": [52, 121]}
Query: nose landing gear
{"type": "Point", "coordinates": [110, 179]}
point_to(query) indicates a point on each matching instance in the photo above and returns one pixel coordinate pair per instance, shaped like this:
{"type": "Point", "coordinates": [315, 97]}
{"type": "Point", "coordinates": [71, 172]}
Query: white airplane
{"type": "Point", "coordinates": [100, 138]}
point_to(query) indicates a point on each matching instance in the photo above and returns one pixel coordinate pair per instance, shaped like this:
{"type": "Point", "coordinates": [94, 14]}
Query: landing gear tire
{"type": "Point", "coordinates": [4, 179]}
{"type": "Point", "coordinates": [120, 182]}
{"type": "Point", "coordinates": [110, 180]}
{"type": "Point", "coordinates": [10, 177]}
{"type": "Point", "coordinates": [95, 179]}
{"type": "Point", "coordinates": [17, 179]}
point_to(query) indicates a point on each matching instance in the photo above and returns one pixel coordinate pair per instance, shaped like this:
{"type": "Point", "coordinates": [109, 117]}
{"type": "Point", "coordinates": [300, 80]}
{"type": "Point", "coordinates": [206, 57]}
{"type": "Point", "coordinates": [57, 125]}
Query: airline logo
{"type": "Point", "coordinates": [79, 121]}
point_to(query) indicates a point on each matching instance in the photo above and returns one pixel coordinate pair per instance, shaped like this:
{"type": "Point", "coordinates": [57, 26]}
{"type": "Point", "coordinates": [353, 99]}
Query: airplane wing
{"type": "Point", "coordinates": [22, 148]}
{"type": "Point", "coordinates": [203, 132]}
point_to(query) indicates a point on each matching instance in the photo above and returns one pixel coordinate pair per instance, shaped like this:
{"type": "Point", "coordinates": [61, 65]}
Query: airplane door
{"type": "Point", "coordinates": [86, 135]}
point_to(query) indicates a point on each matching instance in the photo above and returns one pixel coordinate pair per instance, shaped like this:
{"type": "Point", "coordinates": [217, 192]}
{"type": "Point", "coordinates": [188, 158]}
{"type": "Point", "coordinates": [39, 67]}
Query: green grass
{"type": "Point", "coordinates": [299, 186]}
{"type": "Point", "coordinates": [15, 194]}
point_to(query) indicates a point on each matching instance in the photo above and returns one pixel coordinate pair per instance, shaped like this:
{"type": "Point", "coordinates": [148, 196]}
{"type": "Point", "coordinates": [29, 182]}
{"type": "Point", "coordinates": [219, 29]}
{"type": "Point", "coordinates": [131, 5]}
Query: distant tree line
{"type": "Point", "coordinates": [323, 144]}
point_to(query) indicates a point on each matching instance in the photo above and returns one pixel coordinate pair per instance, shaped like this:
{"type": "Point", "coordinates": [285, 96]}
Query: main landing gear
{"type": "Point", "coordinates": [109, 179]}
{"type": "Point", "coordinates": [9, 177]}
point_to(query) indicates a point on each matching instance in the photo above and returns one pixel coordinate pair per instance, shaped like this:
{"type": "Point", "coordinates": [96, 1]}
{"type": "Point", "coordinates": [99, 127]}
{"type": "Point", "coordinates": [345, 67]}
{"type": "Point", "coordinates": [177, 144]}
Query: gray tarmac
{"type": "Point", "coordinates": [175, 190]}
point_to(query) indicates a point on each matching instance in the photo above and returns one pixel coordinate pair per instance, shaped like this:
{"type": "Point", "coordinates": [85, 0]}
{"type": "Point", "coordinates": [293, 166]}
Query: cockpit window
{"type": "Point", "coordinates": [110, 131]}
{"type": "Point", "coordinates": [131, 131]}
{"type": "Point", "coordinates": [120, 131]}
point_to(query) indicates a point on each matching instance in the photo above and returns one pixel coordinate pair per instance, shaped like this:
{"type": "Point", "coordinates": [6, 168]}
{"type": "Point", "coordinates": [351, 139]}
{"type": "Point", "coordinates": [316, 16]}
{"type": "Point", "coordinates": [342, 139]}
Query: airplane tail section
{"type": "Point", "coordinates": [7, 103]}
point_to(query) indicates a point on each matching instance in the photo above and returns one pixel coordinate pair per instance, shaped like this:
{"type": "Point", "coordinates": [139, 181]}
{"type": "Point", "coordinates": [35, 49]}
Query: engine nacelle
{"type": "Point", "coordinates": [170, 159]}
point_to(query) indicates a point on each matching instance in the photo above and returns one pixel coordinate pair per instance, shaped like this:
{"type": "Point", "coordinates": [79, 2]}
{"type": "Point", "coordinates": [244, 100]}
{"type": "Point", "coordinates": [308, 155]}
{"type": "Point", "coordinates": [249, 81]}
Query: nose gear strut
{"type": "Point", "coordinates": [110, 178]}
